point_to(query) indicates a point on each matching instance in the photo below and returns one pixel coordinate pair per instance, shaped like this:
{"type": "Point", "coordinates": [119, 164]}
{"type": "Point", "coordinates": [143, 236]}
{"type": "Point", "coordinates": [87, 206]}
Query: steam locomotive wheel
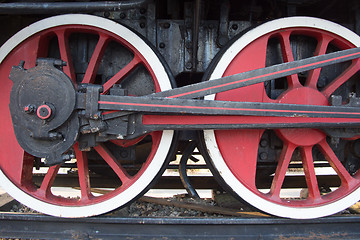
{"type": "Point", "coordinates": [236, 154]}
{"type": "Point", "coordinates": [111, 43]}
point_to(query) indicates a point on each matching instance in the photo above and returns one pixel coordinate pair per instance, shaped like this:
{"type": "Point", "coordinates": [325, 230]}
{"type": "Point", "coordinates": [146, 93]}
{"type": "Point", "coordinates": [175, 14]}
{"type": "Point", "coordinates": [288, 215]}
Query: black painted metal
{"type": "Point", "coordinates": [207, 107]}
{"type": "Point", "coordinates": [110, 227]}
{"type": "Point", "coordinates": [133, 126]}
{"type": "Point", "coordinates": [196, 27]}
{"type": "Point", "coordinates": [42, 103]}
{"type": "Point", "coordinates": [183, 167]}
{"type": "Point", "coordinates": [320, 125]}
{"type": "Point", "coordinates": [67, 7]}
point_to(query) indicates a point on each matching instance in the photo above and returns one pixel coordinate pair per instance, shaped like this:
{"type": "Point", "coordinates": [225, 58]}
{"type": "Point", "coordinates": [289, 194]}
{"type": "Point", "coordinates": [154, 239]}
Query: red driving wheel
{"type": "Point", "coordinates": [106, 42]}
{"type": "Point", "coordinates": [236, 154]}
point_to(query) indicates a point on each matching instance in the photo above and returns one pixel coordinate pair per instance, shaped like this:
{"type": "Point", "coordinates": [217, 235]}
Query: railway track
{"type": "Point", "coordinates": [103, 95]}
{"type": "Point", "coordinates": [215, 222]}
{"type": "Point", "coordinates": [37, 226]}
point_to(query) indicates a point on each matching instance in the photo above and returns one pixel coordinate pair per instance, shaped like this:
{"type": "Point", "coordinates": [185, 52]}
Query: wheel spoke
{"type": "Point", "coordinates": [288, 56]}
{"type": "Point", "coordinates": [63, 40]}
{"type": "Point", "coordinates": [127, 143]}
{"type": "Point", "coordinates": [281, 169]}
{"type": "Point", "coordinates": [113, 163]}
{"type": "Point", "coordinates": [310, 175]}
{"type": "Point", "coordinates": [83, 172]}
{"type": "Point", "coordinates": [49, 179]}
{"type": "Point", "coordinates": [335, 163]}
{"type": "Point", "coordinates": [321, 48]}
{"type": "Point", "coordinates": [342, 78]}
{"type": "Point", "coordinates": [27, 168]}
{"type": "Point", "coordinates": [95, 60]}
{"type": "Point", "coordinates": [116, 79]}
{"type": "Point", "coordinates": [35, 49]}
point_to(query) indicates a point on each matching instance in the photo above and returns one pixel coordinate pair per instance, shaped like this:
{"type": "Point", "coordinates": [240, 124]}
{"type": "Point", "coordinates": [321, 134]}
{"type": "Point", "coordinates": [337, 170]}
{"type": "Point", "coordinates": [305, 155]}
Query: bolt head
{"type": "Point", "coordinates": [263, 156]}
{"type": "Point", "coordinates": [188, 65]}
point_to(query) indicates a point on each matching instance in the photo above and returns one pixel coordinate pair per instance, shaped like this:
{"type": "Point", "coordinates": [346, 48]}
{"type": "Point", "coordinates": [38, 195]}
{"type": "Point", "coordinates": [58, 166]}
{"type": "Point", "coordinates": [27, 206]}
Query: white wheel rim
{"type": "Point", "coordinates": [209, 135]}
{"type": "Point", "coordinates": [164, 146]}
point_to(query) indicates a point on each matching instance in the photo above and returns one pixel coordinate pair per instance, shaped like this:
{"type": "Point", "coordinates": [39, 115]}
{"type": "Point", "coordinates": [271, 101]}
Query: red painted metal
{"type": "Point", "coordinates": [121, 74]}
{"type": "Point", "coordinates": [17, 165]}
{"type": "Point", "coordinates": [239, 148]}
{"type": "Point", "coordinates": [298, 90]}
{"type": "Point", "coordinates": [43, 108]}
{"type": "Point", "coordinates": [186, 120]}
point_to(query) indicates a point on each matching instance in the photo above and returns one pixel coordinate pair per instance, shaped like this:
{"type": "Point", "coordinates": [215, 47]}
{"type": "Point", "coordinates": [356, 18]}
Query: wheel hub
{"type": "Point", "coordinates": [44, 111]}
{"type": "Point", "coordinates": [42, 104]}
{"type": "Point", "coordinates": [303, 95]}
{"type": "Point", "coordinates": [304, 136]}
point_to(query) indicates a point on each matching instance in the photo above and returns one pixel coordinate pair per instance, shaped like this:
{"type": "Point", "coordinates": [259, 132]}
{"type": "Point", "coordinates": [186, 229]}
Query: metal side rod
{"type": "Point", "coordinates": [259, 75]}
{"type": "Point", "coordinates": [207, 107]}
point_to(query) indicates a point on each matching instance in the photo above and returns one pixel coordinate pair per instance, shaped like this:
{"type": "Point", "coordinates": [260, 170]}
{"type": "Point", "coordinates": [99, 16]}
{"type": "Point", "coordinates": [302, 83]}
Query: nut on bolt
{"type": "Point", "coordinates": [30, 108]}
{"type": "Point", "coordinates": [96, 116]}
{"type": "Point", "coordinates": [188, 65]}
{"type": "Point", "coordinates": [263, 143]}
{"type": "Point", "coordinates": [263, 156]}
{"type": "Point", "coordinates": [55, 136]}
{"type": "Point", "coordinates": [60, 63]}
{"type": "Point", "coordinates": [67, 157]}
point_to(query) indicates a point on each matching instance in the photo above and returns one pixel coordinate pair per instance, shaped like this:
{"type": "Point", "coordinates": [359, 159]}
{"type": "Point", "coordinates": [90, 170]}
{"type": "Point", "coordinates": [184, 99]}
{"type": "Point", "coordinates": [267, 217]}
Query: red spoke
{"type": "Point", "coordinates": [128, 143]}
{"type": "Point", "coordinates": [310, 175]}
{"type": "Point", "coordinates": [113, 163]}
{"type": "Point", "coordinates": [335, 163]}
{"type": "Point", "coordinates": [83, 172]}
{"type": "Point", "coordinates": [49, 179]}
{"type": "Point", "coordinates": [288, 56]}
{"type": "Point", "coordinates": [36, 48]}
{"type": "Point", "coordinates": [95, 60]}
{"type": "Point", "coordinates": [63, 40]}
{"type": "Point", "coordinates": [281, 169]}
{"type": "Point", "coordinates": [121, 74]}
{"type": "Point", "coordinates": [342, 78]}
{"type": "Point", "coordinates": [27, 169]}
{"type": "Point", "coordinates": [321, 48]}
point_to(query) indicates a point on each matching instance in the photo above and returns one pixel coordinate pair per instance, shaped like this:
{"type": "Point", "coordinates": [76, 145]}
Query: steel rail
{"type": "Point", "coordinates": [38, 226]}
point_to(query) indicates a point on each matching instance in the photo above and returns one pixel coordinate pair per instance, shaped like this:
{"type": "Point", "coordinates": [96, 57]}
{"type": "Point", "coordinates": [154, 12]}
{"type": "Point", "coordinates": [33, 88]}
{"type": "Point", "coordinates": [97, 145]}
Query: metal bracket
{"type": "Point", "coordinates": [223, 37]}
{"type": "Point", "coordinates": [91, 101]}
